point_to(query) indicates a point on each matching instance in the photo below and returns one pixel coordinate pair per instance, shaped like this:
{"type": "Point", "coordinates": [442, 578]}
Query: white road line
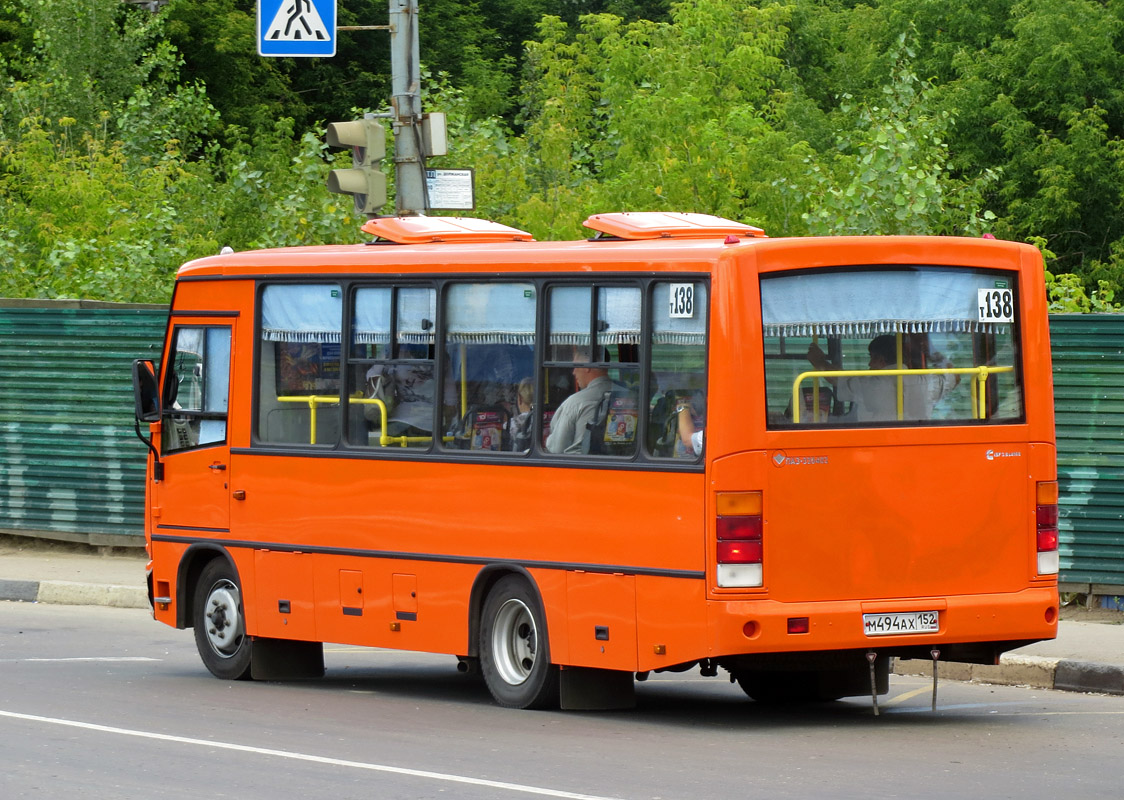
{"type": "Point", "coordinates": [88, 658]}
{"type": "Point", "coordinates": [337, 762]}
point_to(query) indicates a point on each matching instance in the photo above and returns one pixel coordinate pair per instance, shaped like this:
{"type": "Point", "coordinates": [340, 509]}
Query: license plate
{"type": "Point", "coordinates": [897, 624]}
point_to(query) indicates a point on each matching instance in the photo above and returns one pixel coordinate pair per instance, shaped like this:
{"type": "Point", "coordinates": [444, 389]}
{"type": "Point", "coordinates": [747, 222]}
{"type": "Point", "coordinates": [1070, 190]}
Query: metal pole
{"type": "Point", "coordinates": [405, 53]}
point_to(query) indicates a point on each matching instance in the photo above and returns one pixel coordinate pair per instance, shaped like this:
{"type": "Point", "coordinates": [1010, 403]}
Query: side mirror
{"type": "Point", "coordinates": [146, 396]}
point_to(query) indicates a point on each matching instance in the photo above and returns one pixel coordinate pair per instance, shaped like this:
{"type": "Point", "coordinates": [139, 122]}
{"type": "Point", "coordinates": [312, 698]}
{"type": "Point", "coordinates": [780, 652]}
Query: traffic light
{"type": "Point", "coordinates": [365, 180]}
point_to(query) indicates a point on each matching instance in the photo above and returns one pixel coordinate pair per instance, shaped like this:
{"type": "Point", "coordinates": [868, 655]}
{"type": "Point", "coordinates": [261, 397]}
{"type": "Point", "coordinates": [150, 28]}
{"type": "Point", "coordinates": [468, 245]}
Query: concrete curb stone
{"type": "Point", "coordinates": [1082, 676]}
{"type": "Point", "coordinates": [74, 593]}
{"type": "Point", "coordinates": [20, 591]}
{"type": "Point", "coordinates": [1034, 671]}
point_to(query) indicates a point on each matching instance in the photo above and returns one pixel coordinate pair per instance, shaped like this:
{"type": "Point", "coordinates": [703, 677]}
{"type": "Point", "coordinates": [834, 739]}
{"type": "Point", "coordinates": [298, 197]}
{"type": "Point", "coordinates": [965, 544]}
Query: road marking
{"type": "Point", "coordinates": [336, 762]}
{"type": "Point", "coordinates": [901, 698]}
{"type": "Point", "coordinates": [89, 658]}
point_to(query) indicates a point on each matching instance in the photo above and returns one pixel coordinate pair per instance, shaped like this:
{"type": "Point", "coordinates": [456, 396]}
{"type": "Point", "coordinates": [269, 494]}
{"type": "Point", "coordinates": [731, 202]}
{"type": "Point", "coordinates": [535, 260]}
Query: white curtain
{"type": "Point", "coordinates": [689, 331]}
{"type": "Point", "coordinates": [490, 313]}
{"type": "Point", "coordinates": [302, 313]}
{"type": "Point", "coordinates": [858, 303]}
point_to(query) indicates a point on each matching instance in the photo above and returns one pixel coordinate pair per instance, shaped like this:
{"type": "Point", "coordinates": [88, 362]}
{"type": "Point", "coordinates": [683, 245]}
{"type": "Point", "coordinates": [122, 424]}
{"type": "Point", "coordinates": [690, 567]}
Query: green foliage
{"type": "Point", "coordinates": [81, 221]}
{"type": "Point", "coordinates": [891, 173]}
{"type": "Point", "coordinates": [130, 142]}
{"type": "Point", "coordinates": [680, 115]}
{"type": "Point", "coordinates": [107, 202]}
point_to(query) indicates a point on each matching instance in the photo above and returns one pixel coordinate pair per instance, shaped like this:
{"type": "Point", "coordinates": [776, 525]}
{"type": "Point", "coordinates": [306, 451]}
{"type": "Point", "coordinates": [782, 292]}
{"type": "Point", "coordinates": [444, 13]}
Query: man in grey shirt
{"type": "Point", "coordinates": [577, 410]}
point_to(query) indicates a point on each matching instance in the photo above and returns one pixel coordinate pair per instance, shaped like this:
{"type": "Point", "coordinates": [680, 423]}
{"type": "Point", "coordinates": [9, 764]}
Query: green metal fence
{"type": "Point", "coordinates": [71, 467]}
{"type": "Point", "coordinates": [1088, 360]}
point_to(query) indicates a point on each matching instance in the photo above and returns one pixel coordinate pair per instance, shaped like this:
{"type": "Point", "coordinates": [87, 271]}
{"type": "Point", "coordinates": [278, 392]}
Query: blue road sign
{"type": "Point", "coordinates": [296, 28]}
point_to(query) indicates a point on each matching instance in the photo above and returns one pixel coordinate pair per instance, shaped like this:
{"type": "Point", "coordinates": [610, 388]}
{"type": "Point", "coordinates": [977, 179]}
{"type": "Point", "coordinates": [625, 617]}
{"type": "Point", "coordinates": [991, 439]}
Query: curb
{"type": "Point", "coordinates": [1034, 671]}
{"type": "Point", "coordinates": [74, 594]}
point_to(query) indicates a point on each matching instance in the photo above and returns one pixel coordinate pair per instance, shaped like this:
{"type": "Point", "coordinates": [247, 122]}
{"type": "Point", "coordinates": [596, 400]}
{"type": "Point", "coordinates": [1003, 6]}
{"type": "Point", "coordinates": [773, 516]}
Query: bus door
{"type": "Point", "coordinates": [195, 492]}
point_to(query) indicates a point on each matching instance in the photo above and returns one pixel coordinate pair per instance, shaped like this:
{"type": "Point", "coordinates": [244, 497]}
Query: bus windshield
{"type": "Point", "coordinates": [912, 345]}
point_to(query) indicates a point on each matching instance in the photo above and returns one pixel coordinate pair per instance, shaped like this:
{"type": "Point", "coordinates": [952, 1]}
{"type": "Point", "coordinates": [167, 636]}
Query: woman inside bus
{"type": "Point", "coordinates": [519, 426]}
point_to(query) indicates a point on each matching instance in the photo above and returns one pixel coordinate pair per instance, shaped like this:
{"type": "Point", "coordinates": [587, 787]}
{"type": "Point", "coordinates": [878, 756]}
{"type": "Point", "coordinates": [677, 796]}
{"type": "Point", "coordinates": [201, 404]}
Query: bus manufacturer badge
{"type": "Point", "coordinates": [991, 455]}
{"type": "Point", "coordinates": [782, 459]}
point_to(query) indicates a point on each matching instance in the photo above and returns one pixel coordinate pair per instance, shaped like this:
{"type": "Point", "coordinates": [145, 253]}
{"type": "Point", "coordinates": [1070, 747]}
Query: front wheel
{"type": "Point", "coordinates": [220, 627]}
{"type": "Point", "coordinates": [514, 656]}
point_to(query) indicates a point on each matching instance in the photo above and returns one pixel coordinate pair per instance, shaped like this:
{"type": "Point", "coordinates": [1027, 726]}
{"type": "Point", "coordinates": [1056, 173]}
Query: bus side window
{"type": "Point", "coordinates": [392, 384]}
{"type": "Point", "coordinates": [299, 377]}
{"type": "Point", "coordinates": [594, 336]}
{"type": "Point", "coordinates": [677, 404]}
{"type": "Point", "coordinates": [489, 355]}
{"type": "Point", "coordinates": [197, 388]}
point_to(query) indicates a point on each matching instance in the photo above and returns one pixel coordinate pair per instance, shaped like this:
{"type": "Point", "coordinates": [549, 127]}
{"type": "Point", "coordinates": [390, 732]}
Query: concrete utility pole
{"type": "Point", "coordinates": [409, 166]}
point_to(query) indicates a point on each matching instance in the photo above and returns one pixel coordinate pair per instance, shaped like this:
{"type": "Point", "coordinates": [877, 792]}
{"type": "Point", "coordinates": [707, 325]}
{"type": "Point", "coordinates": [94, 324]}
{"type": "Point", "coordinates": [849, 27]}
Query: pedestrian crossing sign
{"type": "Point", "coordinates": [293, 28]}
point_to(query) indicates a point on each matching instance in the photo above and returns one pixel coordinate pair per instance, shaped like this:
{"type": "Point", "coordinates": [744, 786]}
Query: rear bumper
{"type": "Point", "coordinates": [971, 627]}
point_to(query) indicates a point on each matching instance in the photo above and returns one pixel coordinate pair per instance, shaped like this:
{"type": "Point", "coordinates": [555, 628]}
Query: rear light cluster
{"type": "Point", "coordinates": [738, 530]}
{"type": "Point", "coordinates": [1046, 515]}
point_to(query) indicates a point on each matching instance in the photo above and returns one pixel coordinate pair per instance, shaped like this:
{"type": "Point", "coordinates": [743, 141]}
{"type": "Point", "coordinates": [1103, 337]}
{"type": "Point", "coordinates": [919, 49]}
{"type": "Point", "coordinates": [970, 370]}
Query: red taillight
{"type": "Point", "coordinates": [739, 552]}
{"type": "Point", "coordinates": [1046, 519]}
{"type": "Point", "coordinates": [738, 530]}
{"type": "Point", "coordinates": [1047, 516]}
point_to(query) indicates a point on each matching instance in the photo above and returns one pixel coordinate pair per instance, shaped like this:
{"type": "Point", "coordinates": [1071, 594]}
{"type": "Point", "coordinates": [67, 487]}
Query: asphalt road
{"type": "Point", "coordinates": [106, 703]}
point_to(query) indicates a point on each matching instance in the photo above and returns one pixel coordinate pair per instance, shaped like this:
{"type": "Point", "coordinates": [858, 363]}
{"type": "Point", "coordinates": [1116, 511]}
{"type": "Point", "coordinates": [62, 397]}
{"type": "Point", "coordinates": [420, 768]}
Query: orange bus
{"type": "Point", "coordinates": [677, 443]}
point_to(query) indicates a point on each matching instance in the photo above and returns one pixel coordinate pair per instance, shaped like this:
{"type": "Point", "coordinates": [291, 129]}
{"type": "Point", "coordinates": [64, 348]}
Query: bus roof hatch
{"type": "Point", "coordinates": [668, 225]}
{"type": "Point", "coordinates": [426, 230]}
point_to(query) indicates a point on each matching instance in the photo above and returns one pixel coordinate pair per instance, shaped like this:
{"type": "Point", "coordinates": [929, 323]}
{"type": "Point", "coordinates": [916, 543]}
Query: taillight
{"type": "Point", "coordinates": [1046, 517]}
{"type": "Point", "coordinates": [738, 531]}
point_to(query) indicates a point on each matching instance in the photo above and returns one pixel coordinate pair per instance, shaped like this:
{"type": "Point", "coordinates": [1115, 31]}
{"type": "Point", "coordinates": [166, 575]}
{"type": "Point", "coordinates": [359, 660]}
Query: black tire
{"type": "Point", "coordinates": [220, 623]}
{"type": "Point", "coordinates": [782, 688]}
{"type": "Point", "coordinates": [514, 655]}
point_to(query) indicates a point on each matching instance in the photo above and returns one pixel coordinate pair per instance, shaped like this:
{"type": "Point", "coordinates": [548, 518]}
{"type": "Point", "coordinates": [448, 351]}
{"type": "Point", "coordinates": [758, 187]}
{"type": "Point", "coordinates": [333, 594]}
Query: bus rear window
{"type": "Point", "coordinates": [891, 346]}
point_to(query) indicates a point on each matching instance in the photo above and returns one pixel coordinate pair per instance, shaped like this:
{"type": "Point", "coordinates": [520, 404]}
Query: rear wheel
{"type": "Point", "coordinates": [847, 677]}
{"type": "Point", "coordinates": [783, 688]}
{"type": "Point", "coordinates": [514, 657]}
{"type": "Point", "coordinates": [220, 627]}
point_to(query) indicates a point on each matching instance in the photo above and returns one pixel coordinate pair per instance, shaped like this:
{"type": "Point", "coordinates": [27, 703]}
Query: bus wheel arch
{"type": "Point", "coordinates": [513, 644]}
{"type": "Point", "coordinates": [481, 586]}
{"type": "Point", "coordinates": [191, 566]}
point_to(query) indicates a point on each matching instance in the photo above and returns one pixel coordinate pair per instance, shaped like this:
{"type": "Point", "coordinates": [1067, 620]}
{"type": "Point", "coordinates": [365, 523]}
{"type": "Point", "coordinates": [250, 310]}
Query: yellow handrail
{"type": "Point", "coordinates": [979, 379]}
{"type": "Point", "coordinates": [316, 400]}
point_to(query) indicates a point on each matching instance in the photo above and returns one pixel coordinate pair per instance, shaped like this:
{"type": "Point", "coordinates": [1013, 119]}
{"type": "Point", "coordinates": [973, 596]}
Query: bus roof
{"type": "Point", "coordinates": [649, 242]}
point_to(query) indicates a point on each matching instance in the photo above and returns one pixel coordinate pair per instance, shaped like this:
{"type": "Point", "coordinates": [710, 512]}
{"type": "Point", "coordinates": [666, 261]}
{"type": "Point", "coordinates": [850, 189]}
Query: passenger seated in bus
{"type": "Point", "coordinates": [806, 411]}
{"type": "Point", "coordinates": [690, 440]}
{"type": "Point", "coordinates": [407, 390]}
{"type": "Point", "coordinates": [519, 426]}
{"type": "Point", "coordinates": [875, 398]}
{"type": "Point", "coordinates": [579, 409]}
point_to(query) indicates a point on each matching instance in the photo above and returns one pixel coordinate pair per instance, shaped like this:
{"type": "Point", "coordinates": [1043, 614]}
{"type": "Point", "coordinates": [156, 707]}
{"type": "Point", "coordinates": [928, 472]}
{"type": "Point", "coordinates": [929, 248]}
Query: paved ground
{"type": "Point", "coordinates": [1087, 656]}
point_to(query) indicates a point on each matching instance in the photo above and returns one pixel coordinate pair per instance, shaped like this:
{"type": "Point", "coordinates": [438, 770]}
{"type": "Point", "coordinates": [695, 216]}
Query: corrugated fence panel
{"type": "Point", "coordinates": [1088, 355]}
{"type": "Point", "coordinates": [71, 466]}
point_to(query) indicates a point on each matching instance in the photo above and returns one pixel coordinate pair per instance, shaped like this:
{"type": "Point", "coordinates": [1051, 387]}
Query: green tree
{"type": "Point", "coordinates": [891, 173]}
{"type": "Point", "coordinates": [679, 115]}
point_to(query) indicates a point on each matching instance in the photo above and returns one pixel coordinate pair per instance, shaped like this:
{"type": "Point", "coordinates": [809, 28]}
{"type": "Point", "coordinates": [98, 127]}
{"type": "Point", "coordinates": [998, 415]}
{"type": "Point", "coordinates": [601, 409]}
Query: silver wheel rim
{"type": "Point", "coordinates": [224, 619]}
{"type": "Point", "coordinates": [514, 642]}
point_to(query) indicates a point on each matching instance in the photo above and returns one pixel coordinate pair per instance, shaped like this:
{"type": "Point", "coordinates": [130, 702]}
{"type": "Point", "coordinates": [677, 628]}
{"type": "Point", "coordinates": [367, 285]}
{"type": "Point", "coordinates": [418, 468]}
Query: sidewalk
{"type": "Point", "coordinates": [1087, 656]}
{"type": "Point", "coordinates": [33, 570]}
